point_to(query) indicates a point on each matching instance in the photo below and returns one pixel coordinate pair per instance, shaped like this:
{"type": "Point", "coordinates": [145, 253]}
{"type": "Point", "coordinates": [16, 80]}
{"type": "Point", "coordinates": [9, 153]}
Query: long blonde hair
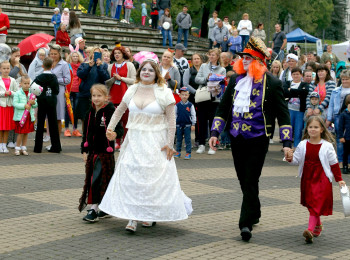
{"type": "Point", "coordinates": [325, 135]}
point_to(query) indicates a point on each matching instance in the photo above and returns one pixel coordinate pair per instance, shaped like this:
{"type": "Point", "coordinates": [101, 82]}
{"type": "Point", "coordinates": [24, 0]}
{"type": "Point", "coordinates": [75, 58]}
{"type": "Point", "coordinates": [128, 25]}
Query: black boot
{"type": "Point", "coordinates": [345, 169]}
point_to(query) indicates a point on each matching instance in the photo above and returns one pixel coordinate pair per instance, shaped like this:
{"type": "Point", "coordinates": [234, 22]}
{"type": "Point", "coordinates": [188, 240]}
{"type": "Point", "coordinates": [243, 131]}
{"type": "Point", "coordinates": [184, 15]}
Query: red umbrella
{"type": "Point", "coordinates": [34, 42]}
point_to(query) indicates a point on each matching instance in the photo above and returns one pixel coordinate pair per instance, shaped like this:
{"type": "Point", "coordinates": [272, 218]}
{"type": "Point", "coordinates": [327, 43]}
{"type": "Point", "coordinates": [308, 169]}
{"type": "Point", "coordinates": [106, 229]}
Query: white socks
{"type": "Point", "coordinates": [94, 207]}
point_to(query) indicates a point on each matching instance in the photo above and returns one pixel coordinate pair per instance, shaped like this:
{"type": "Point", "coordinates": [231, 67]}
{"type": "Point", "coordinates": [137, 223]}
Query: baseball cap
{"type": "Point", "coordinates": [314, 94]}
{"type": "Point", "coordinates": [56, 9]}
{"type": "Point", "coordinates": [183, 89]}
{"type": "Point", "coordinates": [180, 46]}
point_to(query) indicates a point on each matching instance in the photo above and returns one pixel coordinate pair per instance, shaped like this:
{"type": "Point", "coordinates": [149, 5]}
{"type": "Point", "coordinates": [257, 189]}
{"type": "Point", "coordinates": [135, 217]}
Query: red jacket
{"type": "Point", "coordinates": [62, 38]}
{"type": "Point", "coordinates": [4, 21]}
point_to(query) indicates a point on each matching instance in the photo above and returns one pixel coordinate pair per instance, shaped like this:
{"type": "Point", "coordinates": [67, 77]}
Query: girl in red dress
{"type": "Point", "coordinates": [8, 87]}
{"type": "Point", "coordinates": [318, 164]}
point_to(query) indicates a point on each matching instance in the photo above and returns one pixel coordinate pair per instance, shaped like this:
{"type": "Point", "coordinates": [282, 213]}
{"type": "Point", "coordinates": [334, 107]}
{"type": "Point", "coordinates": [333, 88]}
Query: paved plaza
{"type": "Point", "coordinates": [39, 218]}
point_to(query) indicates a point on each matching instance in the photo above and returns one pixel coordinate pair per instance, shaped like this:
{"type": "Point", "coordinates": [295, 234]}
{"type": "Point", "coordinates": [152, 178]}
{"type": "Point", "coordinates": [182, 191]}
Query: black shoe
{"type": "Point", "coordinates": [246, 234]}
{"type": "Point", "coordinates": [102, 214]}
{"type": "Point", "coordinates": [345, 170]}
{"type": "Point", "coordinates": [91, 216]}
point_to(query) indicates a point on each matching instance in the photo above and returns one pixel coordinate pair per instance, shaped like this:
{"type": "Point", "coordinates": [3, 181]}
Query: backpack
{"type": "Point", "coordinates": [128, 4]}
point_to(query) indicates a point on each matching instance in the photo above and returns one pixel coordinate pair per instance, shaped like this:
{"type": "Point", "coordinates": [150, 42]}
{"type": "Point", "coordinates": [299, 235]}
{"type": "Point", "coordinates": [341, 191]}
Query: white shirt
{"type": "Point", "coordinates": [242, 24]}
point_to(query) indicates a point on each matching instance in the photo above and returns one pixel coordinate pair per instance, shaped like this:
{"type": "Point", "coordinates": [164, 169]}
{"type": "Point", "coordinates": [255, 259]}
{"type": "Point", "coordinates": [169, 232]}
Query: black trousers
{"type": "Point", "coordinates": [205, 115]}
{"type": "Point", "coordinates": [248, 157]}
{"type": "Point", "coordinates": [154, 21]}
{"type": "Point", "coordinates": [346, 152]}
{"type": "Point", "coordinates": [47, 108]}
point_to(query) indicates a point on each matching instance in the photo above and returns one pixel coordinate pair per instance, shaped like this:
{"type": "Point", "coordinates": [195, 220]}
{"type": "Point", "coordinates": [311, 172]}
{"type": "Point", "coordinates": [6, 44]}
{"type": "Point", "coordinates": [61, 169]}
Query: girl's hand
{"type": "Point", "coordinates": [310, 112]}
{"type": "Point", "coordinates": [91, 63]}
{"type": "Point", "coordinates": [27, 107]}
{"type": "Point", "coordinates": [84, 157]}
{"type": "Point", "coordinates": [32, 102]}
{"type": "Point", "coordinates": [193, 128]}
{"type": "Point", "coordinates": [111, 135]}
{"type": "Point", "coordinates": [7, 93]}
{"type": "Point", "coordinates": [169, 152]}
{"type": "Point", "coordinates": [342, 140]}
{"type": "Point", "coordinates": [341, 183]}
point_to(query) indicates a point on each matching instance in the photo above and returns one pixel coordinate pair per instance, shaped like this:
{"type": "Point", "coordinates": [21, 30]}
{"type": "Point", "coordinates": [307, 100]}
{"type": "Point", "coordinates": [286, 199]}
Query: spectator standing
{"type": "Point", "coordinates": [226, 60]}
{"type": "Point", "coordinates": [344, 133]}
{"type": "Point", "coordinates": [154, 14]}
{"type": "Point", "coordinates": [180, 61]}
{"type": "Point", "coordinates": [329, 55]}
{"type": "Point", "coordinates": [292, 61]}
{"type": "Point", "coordinates": [59, 4]}
{"type": "Point", "coordinates": [169, 71]}
{"type": "Point", "coordinates": [108, 7]}
{"type": "Point", "coordinates": [143, 13]}
{"type": "Point", "coordinates": [245, 27]}
{"type": "Point", "coordinates": [163, 4]}
{"type": "Point", "coordinates": [81, 42]}
{"type": "Point", "coordinates": [279, 42]}
{"type": "Point", "coordinates": [211, 24]}
{"type": "Point", "coordinates": [307, 76]}
{"type": "Point", "coordinates": [56, 20]}
{"type": "Point", "coordinates": [131, 58]}
{"type": "Point", "coordinates": [259, 32]}
{"type": "Point", "coordinates": [166, 18]}
{"type": "Point", "coordinates": [102, 9]}
{"type": "Point", "coordinates": [61, 70]}
{"type": "Point", "coordinates": [330, 65]}
{"type": "Point", "coordinates": [4, 26]}
{"type": "Point", "coordinates": [206, 109]}
{"type": "Point", "coordinates": [113, 7]}
{"type": "Point", "coordinates": [17, 68]}
{"type": "Point", "coordinates": [129, 5]}
{"type": "Point", "coordinates": [235, 42]}
{"type": "Point", "coordinates": [65, 16]}
{"type": "Point", "coordinates": [335, 107]}
{"type": "Point", "coordinates": [227, 24]}
{"type": "Point", "coordinates": [62, 36]}
{"type": "Point", "coordinates": [75, 30]}
{"type": "Point", "coordinates": [220, 36]}
{"type": "Point", "coordinates": [118, 11]}
{"type": "Point", "coordinates": [276, 68]}
{"type": "Point", "coordinates": [42, 3]}
{"type": "Point", "coordinates": [76, 2]}
{"type": "Point", "coordinates": [92, 7]}
{"type": "Point", "coordinates": [74, 60]}
{"type": "Point", "coordinates": [36, 66]}
{"type": "Point", "coordinates": [184, 22]}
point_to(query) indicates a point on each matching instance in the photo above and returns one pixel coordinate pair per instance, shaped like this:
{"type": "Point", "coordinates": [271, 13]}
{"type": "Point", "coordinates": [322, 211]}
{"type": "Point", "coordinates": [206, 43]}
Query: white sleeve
{"type": "Point", "coordinates": [297, 155]}
{"type": "Point", "coordinates": [193, 115]}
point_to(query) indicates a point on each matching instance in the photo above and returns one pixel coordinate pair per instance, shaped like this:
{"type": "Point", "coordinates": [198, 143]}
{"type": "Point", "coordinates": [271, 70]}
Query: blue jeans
{"type": "Point", "coordinates": [297, 122]}
{"type": "Point", "coordinates": [118, 11]}
{"type": "Point", "coordinates": [245, 40]}
{"type": "Point", "coordinates": [179, 36]}
{"type": "Point", "coordinates": [339, 144]}
{"type": "Point", "coordinates": [74, 102]}
{"type": "Point", "coordinates": [108, 6]}
{"type": "Point", "coordinates": [167, 35]}
{"type": "Point", "coordinates": [180, 132]}
{"type": "Point", "coordinates": [160, 13]}
{"type": "Point", "coordinates": [42, 3]}
{"type": "Point", "coordinates": [92, 5]}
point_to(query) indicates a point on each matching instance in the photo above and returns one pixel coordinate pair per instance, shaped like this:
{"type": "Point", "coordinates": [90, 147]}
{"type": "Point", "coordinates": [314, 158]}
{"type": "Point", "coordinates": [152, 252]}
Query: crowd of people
{"type": "Point", "coordinates": [139, 107]}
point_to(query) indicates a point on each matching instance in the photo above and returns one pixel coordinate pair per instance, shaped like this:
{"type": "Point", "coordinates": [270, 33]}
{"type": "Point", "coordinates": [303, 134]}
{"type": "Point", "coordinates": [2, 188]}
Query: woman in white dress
{"type": "Point", "coordinates": [145, 185]}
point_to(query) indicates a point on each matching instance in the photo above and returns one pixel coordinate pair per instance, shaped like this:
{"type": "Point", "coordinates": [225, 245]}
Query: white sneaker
{"type": "Point", "coordinates": [46, 138]}
{"type": "Point", "coordinates": [48, 147]}
{"type": "Point", "coordinates": [2, 148]}
{"type": "Point", "coordinates": [271, 141]}
{"type": "Point", "coordinates": [201, 149]}
{"type": "Point", "coordinates": [11, 145]}
{"type": "Point", "coordinates": [211, 151]}
{"type": "Point", "coordinates": [131, 226]}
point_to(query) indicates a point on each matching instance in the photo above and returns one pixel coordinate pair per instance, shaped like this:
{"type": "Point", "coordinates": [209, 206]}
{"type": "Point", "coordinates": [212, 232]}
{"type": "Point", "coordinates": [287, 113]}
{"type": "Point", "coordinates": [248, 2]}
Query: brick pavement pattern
{"type": "Point", "coordinates": [39, 217]}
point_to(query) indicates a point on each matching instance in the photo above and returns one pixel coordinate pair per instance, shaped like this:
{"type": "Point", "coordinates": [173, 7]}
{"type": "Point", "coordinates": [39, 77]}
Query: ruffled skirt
{"type": "Point", "coordinates": [6, 119]}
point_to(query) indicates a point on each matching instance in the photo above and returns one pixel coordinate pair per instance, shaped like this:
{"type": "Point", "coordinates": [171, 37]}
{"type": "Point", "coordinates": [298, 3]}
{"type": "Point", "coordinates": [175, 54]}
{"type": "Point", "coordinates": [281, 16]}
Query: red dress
{"type": "Point", "coordinates": [316, 189]}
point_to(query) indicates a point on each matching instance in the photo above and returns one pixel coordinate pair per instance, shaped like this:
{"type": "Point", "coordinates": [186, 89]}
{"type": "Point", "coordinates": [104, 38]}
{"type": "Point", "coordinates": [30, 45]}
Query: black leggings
{"type": "Point", "coordinates": [154, 21]}
{"type": "Point", "coordinates": [205, 116]}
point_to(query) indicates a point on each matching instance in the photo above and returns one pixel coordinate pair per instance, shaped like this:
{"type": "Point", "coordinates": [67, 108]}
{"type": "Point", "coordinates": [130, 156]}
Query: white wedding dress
{"type": "Point", "coordinates": [145, 185]}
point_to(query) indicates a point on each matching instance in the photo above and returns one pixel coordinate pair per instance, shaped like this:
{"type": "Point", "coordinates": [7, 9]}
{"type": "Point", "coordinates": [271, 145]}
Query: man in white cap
{"type": "Point", "coordinates": [292, 61]}
{"type": "Point", "coordinates": [81, 43]}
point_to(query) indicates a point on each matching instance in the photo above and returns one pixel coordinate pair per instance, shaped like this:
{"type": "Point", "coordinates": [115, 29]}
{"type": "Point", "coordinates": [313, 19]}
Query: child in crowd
{"type": "Point", "coordinates": [98, 152]}
{"type": "Point", "coordinates": [185, 123]}
{"type": "Point", "coordinates": [47, 107]}
{"type": "Point", "coordinates": [154, 14]}
{"type": "Point", "coordinates": [65, 16]}
{"type": "Point", "coordinates": [21, 102]}
{"type": "Point", "coordinates": [314, 102]}
{"type": "Point", "coordinates": [128, 6]}
{"type": "Point", "coordinates": [56, 20]}
{"type": "Point", "coordinates": [8, 87]}
{"type": "Point", "coordinates": [143, 13]}
{"type": "Point", "coordinates": [344, 133]}
{"type": "Point", "coordinates": [318, 163]}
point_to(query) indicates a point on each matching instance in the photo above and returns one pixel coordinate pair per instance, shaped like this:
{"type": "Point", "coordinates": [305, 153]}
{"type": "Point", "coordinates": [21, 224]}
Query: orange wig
{"type": "Point", "coordinates": [256, 69]}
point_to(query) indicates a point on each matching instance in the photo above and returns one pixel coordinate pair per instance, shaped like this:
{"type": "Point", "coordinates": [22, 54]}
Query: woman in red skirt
{"type": "Point", "coordinates": [21, 102]}
{"type": "Point", "coordinates": [8, 87]}
{"type": "Point", "coordinates": [318, 164]}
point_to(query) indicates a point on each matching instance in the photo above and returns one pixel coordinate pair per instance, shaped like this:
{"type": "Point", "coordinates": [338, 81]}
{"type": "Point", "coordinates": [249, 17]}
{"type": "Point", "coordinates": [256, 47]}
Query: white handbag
{"type": "Point", "coordinates": [345, 197]}
{"type": "Point", "coordinates": [202, 94]}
